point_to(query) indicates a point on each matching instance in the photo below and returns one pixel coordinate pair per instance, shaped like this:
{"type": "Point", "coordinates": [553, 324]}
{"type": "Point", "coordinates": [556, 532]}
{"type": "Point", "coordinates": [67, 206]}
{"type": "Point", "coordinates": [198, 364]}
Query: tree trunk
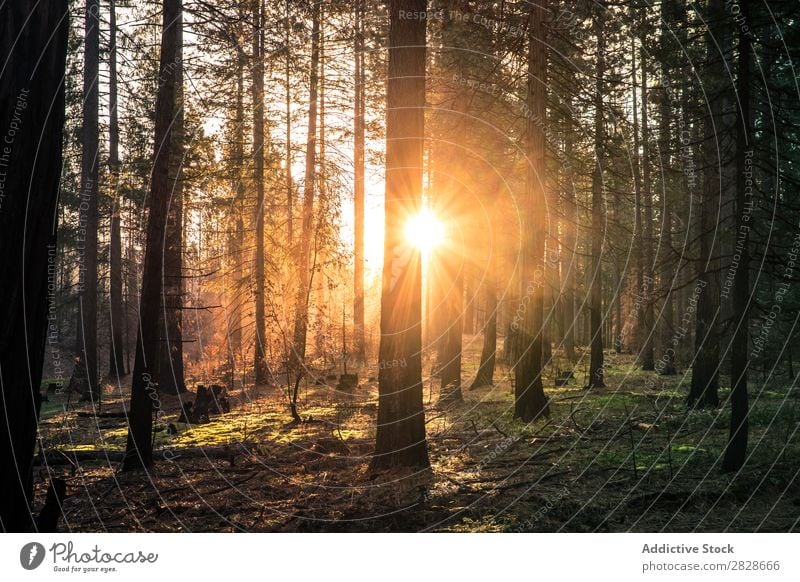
{"type": "Point", "coordinates": [260, 364]}
{"type": "Point", "coordinates": [400, 438]}
{"type": "Point", "coordinates": [450, 355]}
{"type": "Point", "coordinates": [485, 375]}
{"type": "Point", "coordinates": [170, 377]}
{"type": "Point", "coordinates": [705, 369]}
{"type": "Point", "coordinates": [116, 353]}
{"type": "Point", "coordinates": [570, 256]}
{"type": "Point", "coordinates": [237, 238]}
{"type": "Point", "coordinates": [647, 355]}
{"type": "Point", "coordinates": [144, 391]}
{"type": "Point", "coordinates": [736, 450]}
{"type": "Point", "coordinates": [288, 114]}
{"type": "Point", "coordinates": [596, 366]}
{"type": "Point", "coordinates": [359, 347]}
{"type": "Point", "coordinates": [303, 264]}
{"type": "Point", "coordinates": [85, 373]}
{"type": "Point", "coordinates": [530, 401]}
{"type": "Point", "coordinates": [33, 48]}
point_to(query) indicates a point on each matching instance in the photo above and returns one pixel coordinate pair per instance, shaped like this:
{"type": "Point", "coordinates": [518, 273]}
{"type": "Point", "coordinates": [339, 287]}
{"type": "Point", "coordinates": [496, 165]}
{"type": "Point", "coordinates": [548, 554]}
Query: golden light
{"type": "Point", "coordinates": [425, 231]}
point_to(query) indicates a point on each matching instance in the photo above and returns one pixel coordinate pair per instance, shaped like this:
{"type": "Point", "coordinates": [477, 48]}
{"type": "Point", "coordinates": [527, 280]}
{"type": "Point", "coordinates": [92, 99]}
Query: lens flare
{"type": "Point", "coordinates": [425, 231]}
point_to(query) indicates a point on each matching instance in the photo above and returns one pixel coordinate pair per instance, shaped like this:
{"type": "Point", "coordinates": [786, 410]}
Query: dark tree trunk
{"type": "Point", "coordinates": [288, 115]}
{"type": "Point", "coordinates": [638, 240]}
{"type": "Point", "coordinates": [304, 260]}
{"type": "Point", "coordinates": [260, 364]}
{"type": "Point", "coordinates": [85, 374]}
{"type": "Point", "coordinates": [647, 353]}
{"type": "Point", "coordinates": [469, 302]}
{"type": "Point", "coordinates": [450, 355]}
{"type": "Point", "coordinates": [237, 208]}
{"type": "Point", "coordinates": [530, 401]}
{"type": "Point", "coordinates": [596, 366]}
{"type": "Point", "coordinates": [736, 450]}
{"type": "Point", "coordinates": [705, 370]}
{"type": "Point", "coordinates": [144, 390]}
{"type": "Point", "coordinates": [32, 114]}
{"type": "Point", "coordinates": [170, 377]}
{"type": "Point", "coordinates": [485, 375]}
{"type": "Point", "coordinates": [569, 254]}
{"type": "Point", "coordinates": [359, 347]}
{"type": "Point", "coordinates": [400, 438]}
{"type": "Point", "coordinates": [117, 346]}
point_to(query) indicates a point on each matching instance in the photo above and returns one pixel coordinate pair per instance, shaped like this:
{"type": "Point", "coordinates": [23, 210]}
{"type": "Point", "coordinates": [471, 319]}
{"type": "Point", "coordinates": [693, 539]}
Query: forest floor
{"type": "Point", "coordinates": [628, 457]}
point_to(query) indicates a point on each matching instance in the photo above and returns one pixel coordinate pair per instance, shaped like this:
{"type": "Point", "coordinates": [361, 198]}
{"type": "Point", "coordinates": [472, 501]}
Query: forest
{"type": "Point", "coordinates": [399, 266]}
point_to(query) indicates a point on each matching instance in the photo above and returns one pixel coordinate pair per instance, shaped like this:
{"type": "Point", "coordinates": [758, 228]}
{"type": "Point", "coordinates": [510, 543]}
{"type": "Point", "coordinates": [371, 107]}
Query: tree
{"type": "Point", "coordinates": [359, 348]}
{"type": "Point", "coordinates": [530, 401]}
{"type": "Point", "coordinates": [86, 361]}
{"type": "Point", "coordinates": [705, 371]}
{"type": "Point", "coordinates": [170, 377]}
{"type": "Point", "coordinates": [303, 263]}
{"type": "Point", "coordinates": [144, 390]}
{"type": "Point", "coordinates": [117, 346]}
{"type": "Point", "coordinates": [33, 48]}
{"type": "Point", "coordinates": [596, 366]}
{"type": "Point", "coordinates": [400, 439]}
{"type": "Point", "coordinates": [736, 450]}
{"type": "Point", "coordinates": [262, 372]}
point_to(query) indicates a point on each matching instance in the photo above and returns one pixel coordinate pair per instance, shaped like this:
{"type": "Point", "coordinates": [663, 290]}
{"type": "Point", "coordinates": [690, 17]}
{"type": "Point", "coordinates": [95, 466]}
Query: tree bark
{"type": "Point", "coordinates": [569, 256]}
{"type": "Point", "coordinates": [703, 392]}
{"type": "Point", "coordinates": [170, 378]}
{"type": "Point", "coordinates": [85, 373]}
{"type": "Point", "coordinates": [596, 366]}
{"type": "Point", "coordinates": [144, 390]}
{"type": "Point", "coordinates": [117, 345]}
{"type": "Point", "coordinates": [260, 364]}
{"type": "Point", "coordinates": [647, 352]}
{"type": "Point", "coordinates": [33, 48]}
{"type": "Point", "coordinates": [400, 440]}
{"type": "Point", "coordinates": [530, 402]}
{"type": "Point", "coordinates": [359, 341]}
{"type": "Point", "coordinates": [304, 261]}
{"type": "Point", "coordinates": [736, 450]}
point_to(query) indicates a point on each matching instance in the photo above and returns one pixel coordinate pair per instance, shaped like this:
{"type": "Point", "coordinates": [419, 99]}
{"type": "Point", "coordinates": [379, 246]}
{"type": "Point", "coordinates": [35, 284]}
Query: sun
{"type": "Point", "coordinates": [425, 231]}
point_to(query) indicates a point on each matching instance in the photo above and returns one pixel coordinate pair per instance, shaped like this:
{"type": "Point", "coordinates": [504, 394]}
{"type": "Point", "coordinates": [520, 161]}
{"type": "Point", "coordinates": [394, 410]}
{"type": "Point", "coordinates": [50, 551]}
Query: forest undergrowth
{"type": "Point", "coordinates": [629, 457]}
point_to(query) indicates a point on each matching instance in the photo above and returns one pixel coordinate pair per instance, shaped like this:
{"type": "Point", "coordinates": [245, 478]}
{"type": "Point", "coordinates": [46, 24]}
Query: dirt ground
{"type": "Point", "coordinates": [629, 457]}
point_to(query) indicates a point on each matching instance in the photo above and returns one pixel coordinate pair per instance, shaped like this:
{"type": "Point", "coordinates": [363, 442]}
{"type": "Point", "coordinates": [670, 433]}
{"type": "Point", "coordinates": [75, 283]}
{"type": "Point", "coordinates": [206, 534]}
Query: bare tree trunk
{"type": "Point", "coordinates": [569, 256]}
{"type": "Point", "coordinates": [260, 364]}
{"type": "Point", "coordinates": [303, 264]}
{"type": "Point", "coordinates": [85, 373]}
{"type": "Point", "coordinates": [705, 369]}
{"type": "Point", "coordinates": [170, 377]}
{"type": "Point", "coordinates": [530, 401]}
{"type": "Point", "coordinates": [116, 356]}
{"type": "Point", "coordinates": [139, 449]}
{"type": "Point", "coordinates": [736, 450]}
{"type": "Point", "coordinates": [400, 438]}
{"type": "Point", "coordinates": [237, 238]}
{"type": "Point", "coordinates": [359, 348]}
{"type": "Point", "coordinates": [469, 302]}
{"type": "Point", "coordinates": [638, 240]}
{"type": "Point", "coordinates": [450, 356]}
{"type": "Point", "coordinates": [596, 366]}
{"type": "Point", "coordinates": [647, 356]}
{"type": "Point", "coordinates": [33, 48]}
{"type": "Point", "coordinates": [485, 375]}
{"type": "Point", "coordinates": [288, 105]}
